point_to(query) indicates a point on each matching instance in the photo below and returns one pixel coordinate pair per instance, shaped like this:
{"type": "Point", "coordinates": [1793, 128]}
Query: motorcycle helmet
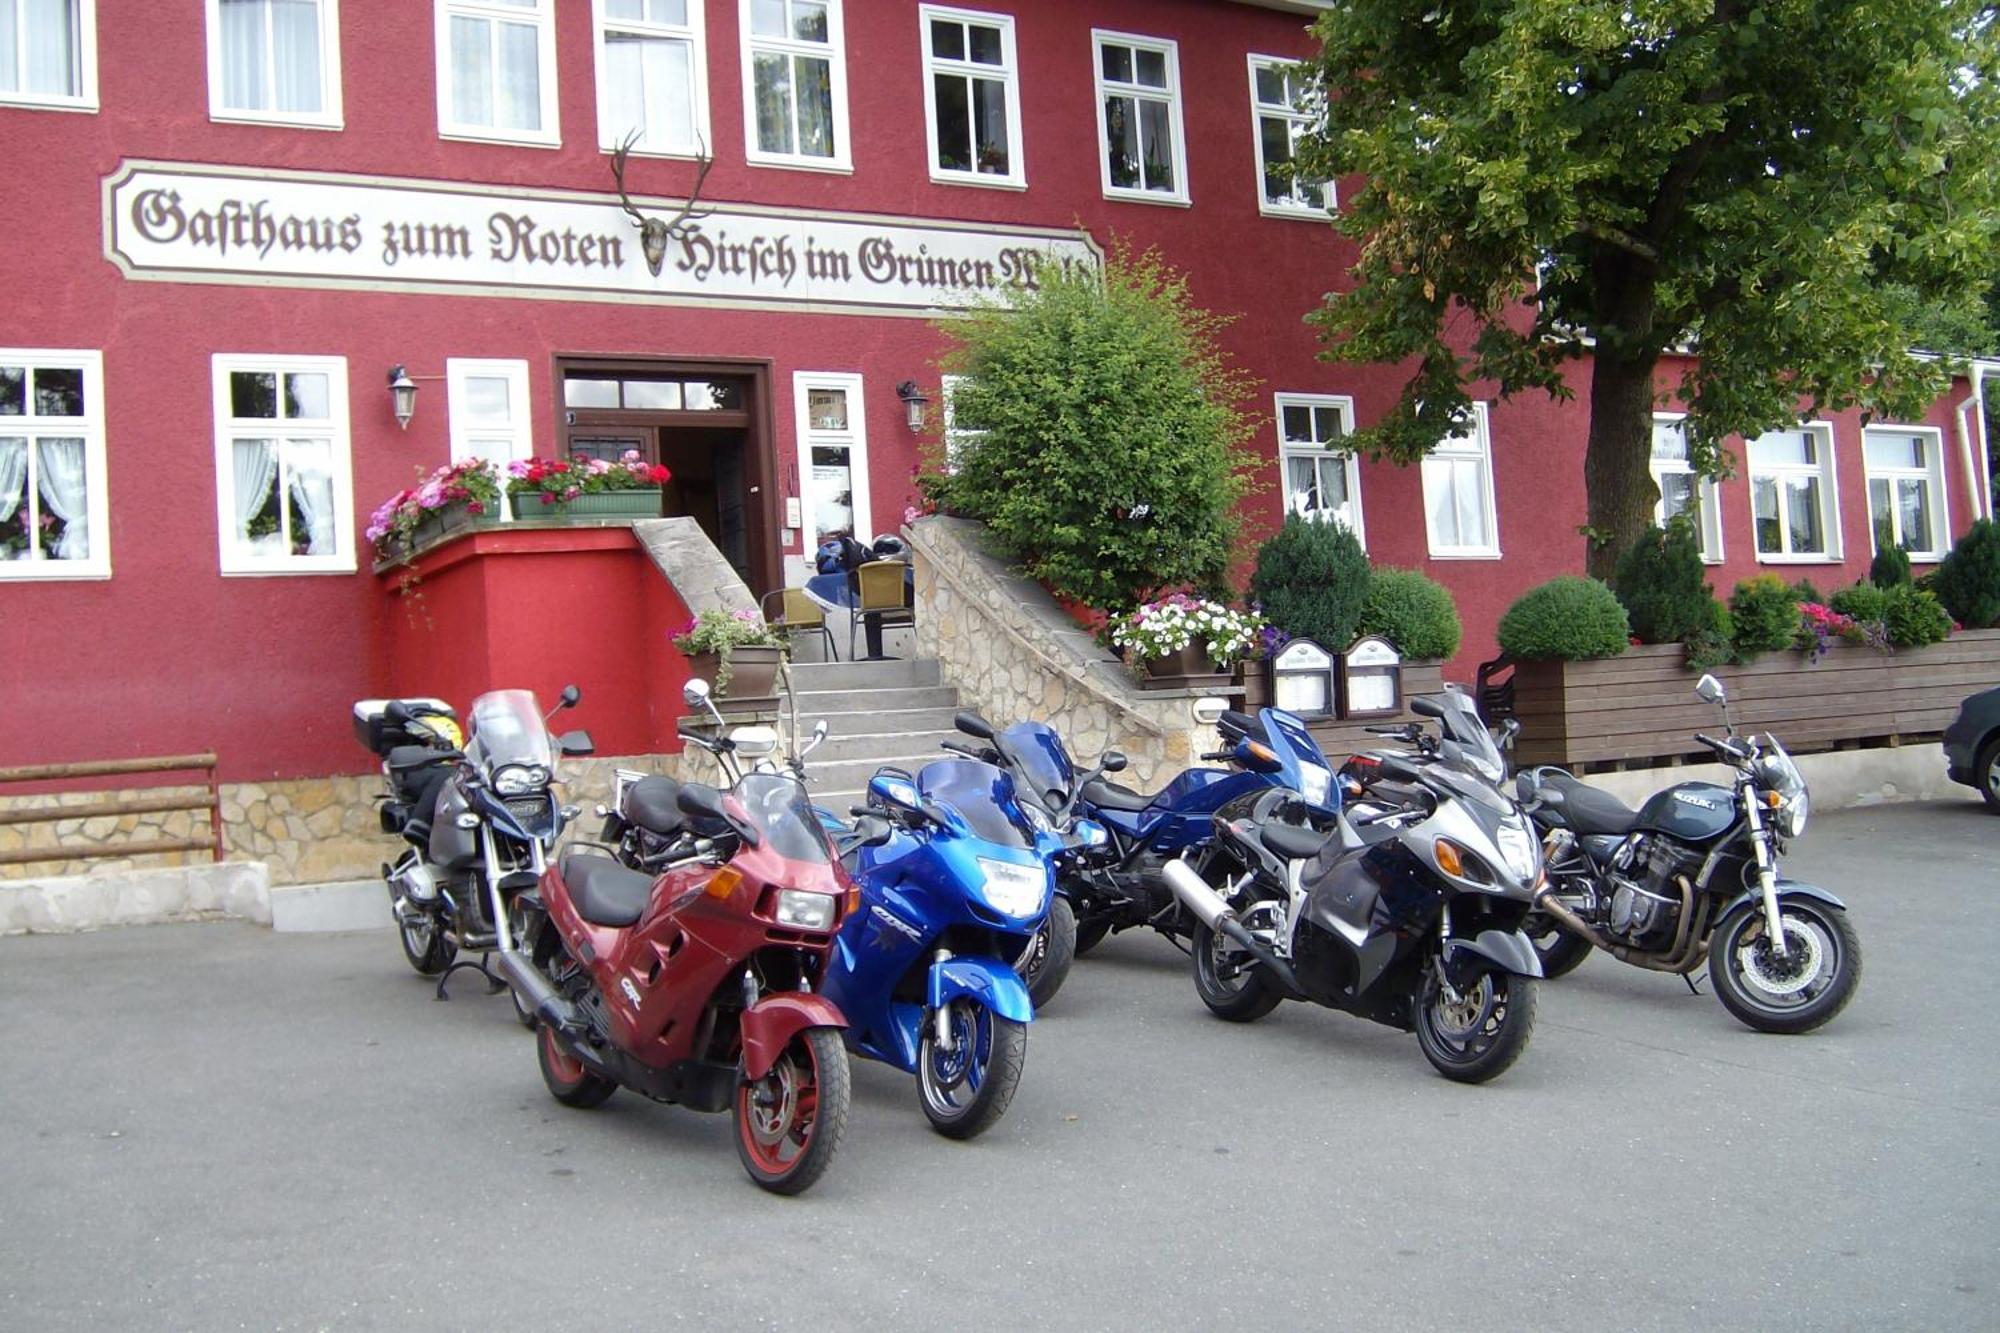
{"type": "Point", "coordinates": [888, 546]}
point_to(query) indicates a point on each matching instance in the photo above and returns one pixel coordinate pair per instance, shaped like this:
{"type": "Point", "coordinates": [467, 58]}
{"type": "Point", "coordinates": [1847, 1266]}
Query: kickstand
{"type": "Point", "coordinates": [1694, 985]}
{"type": "Point", "coordinates": [494, 985]}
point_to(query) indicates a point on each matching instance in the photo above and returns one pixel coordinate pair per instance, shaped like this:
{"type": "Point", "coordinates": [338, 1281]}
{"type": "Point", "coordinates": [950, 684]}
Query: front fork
{"type": "Point", "coordinates": [1767, 872]}
{"type": "Point", "coordinates": [941, 1016]}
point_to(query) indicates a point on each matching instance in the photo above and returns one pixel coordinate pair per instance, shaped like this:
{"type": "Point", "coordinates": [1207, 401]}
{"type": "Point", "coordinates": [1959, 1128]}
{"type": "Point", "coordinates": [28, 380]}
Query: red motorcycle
{"type": "Point", "coordinates": [697, 985]}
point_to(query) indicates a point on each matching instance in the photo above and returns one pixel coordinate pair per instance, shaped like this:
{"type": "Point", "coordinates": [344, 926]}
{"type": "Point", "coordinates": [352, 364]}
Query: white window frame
{"type": "Point", "coordinates": [610, 134]}
{"type": "Point", "coordinates": [1829, 504]}
{"type": "Point", "coordinates": [328, 117]}
{"type": "Point", "coordinates": [955, 437]}
{"type": "Point", "coordinates": [1289, 449]}
{"type": "Point", "coordinates": [854, 439]}
{"type": "Point", "coordinates": [1707, 493]}
{"type": "Point", "coordinates": [90, 426]}
{"type": "Point", "coordinates": [335, 431]}
{"type": "Point", "coordinates": [85, 98]}
{"type": "Point", "coordinates": [834, 52]}
{"type": "Point", "coordinates": [1007, 73]}
{"type": "Point", "coordinates": [477, 439]}
{"type": "Point", "coordinates": [1932, 473]}
{"type": "Point", "coordinates": [1261, 110]}
{"type": "Point", "coordinates": [1099, 38]}
{"type": "Point", "coordinates": [542, 18]}
{"type": "Point", "coordinates": [1473, 446]}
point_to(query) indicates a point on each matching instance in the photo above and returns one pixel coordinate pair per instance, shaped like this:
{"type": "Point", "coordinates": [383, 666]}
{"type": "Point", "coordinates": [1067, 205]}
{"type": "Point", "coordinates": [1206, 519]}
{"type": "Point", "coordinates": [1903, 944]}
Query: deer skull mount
{"type": "Point", "coordinates": [655, 233]}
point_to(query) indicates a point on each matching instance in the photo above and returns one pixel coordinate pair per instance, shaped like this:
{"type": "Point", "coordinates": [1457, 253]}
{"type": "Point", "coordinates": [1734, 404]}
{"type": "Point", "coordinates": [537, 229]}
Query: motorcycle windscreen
{"type": "Point", "coordinates": [1038, 753]}
{"type": "Point", "coordinates": [777, 807]}
{"type": "Point", "coordinates": [981, 795]}
{"type": "Point", "coordinates": [507, 728]}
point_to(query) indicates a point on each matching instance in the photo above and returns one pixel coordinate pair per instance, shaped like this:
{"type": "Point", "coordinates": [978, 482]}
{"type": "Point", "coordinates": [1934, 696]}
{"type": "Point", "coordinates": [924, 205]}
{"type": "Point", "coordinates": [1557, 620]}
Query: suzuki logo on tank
{"type": "Point", "coordinates": [189, 223]}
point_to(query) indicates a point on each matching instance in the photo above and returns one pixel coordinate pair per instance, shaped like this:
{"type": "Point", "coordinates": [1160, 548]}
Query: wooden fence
{"type": "Point", "coordinates": [117, 806]}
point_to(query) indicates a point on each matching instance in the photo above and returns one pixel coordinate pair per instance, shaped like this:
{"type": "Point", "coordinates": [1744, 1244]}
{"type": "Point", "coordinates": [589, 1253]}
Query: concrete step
{"type": "Point", "coordinates": [882, 740]}
{"type": "Point", "coordinates": [894, 699]}
{"type": "Point", "coordinates": [859, 722]}
{"type": "Point", "coordinates": [864, 675]}
{"type": "Point", "coordinates": [851, 775]}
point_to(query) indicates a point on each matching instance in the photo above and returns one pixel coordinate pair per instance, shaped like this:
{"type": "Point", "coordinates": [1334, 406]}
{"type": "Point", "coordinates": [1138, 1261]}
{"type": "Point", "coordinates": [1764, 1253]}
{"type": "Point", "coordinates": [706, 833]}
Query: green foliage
{"type": "Point", "coordinates": [1763, 616]}
{"type": "Point", "coordinates": [1968, 580]}
{"type": "Point", "coordinates": [1803, 590]}
{"type": "Point", "coordinates": [1663, 586]}
{"type": "Point", "coordinates": [1569, 618]}
{"type": "Point", "coordinates": [1712, 645]}
{"type": "Point", "coordinates": [1412, 611]}
{"type": "Point", "coordinates": [1786, 186]}
{"type": "Point", "coordinates": [1108, 460]}
{"type": "Point", "coordinates": [1863, 601]}
{"type": "Point", "coordinates": [1914, 618]}
{"type": "Point", "coordinates": [1312, 579]}
{"type": "Point", "coordinates": [1891, 565]}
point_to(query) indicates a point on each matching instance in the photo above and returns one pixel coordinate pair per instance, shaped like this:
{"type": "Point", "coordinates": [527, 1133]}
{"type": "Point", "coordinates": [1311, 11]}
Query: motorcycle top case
{"type": "Point", "coordinates": [374, 730]}
{"type": "Point", "coordinates": [1692, 812]}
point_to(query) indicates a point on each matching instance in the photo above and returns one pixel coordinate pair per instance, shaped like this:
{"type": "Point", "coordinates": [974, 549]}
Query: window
{"type": "Point", "coordinates": [1681, 490]}
{"type": "Point", "coordinates": [958, 437]}
{"type": "Point", "coordinates": [974, 111]}
{"type": "Point", "coordinates": [488, 407]}
{"type": "Point", "coordinates": [649, 76]}
{"type": "Point", "coordinates": [53, 514]}
{"type": "Point", "coordinates": [283, 497]}
{"type": "Point", "coordinates": [1139, 118]}
{"type": "Point", "coordinates": [1321, 479]}
{"type": "Point", "coordinates": [1792, 502]}
{"type": "Point", "coordinates": [496, 64]}
{"type": "Point", "coordinates": [794, 83]}
{"type": "Point", "coordinates": [1906, 488]}
{"type": "Point", "coordinates": [48, 53]}
{"type": "Point", "coordinates": [274, 60]}
{"type": "Point", "coordinates": [1281, 104]}
{"type": "Point", "coordinates": [833, 446]}
{"type": "Point", "coordinates": [1458, 494]}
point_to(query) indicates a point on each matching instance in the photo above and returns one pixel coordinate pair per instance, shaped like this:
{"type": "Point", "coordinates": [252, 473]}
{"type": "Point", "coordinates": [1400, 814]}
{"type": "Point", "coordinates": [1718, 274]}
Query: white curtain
{"type": "Point", "coordinates": [312, 491]}
{"type": "Point", "coordinates": [13, 472]}
{"type": "Point", "coordinates": [295, 81]}
{"type": "Point", "coordinates": [255, 468]}
{"type": "Point", "coordinates": [45, 62]}
{"type": "Point", "coordinates": [270, 55]}
{"type": "Point", "coordinates": [471, 72]}
{"type": "Point", "coordinates": [648, 86]}
{"type": "Point", "coordinates": [65, 487]}
{"type": "Point", "coordinates": [242, 41]}
{"type": "Point", "coordinates": [520, 99]}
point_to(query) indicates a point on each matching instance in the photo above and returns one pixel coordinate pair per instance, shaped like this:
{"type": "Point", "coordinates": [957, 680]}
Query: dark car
{"type": "Point", "coordinates": [1972, 746]}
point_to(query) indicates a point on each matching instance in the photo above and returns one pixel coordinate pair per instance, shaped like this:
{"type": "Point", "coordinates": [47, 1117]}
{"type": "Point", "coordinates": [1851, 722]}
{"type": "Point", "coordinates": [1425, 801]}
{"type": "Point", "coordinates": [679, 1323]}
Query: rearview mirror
{"type": "Point", "coordinates": [1112, 762]}
{"type": "Point", "coordinates": [575, 744]}
{"type": "Point", "coordinates": [695, 693]}
{"type": "Point", "coordinates": [1709, 690]}
{"type": "Point", "coordinates": [897, 793]}
{"type": "Point", "coordinates": [571, 696]}
{"type": "Point", "coordinates": [1425, 706]}
{"type": "Point", "coordinates": [973, 725]}
{"type": "Point", "coordinates": [1208, 712]}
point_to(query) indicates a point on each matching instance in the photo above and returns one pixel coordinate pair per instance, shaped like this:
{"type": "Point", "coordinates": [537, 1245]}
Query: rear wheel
{"type": "Point", "coordinates": [1987, 769]}
{"type": "Point", "coordinates": [569, 1082]}
{"type": "Point", "coordinates": [1044, 964]}
{"type": "Point", "coordinates": [1798, 991]}
{"type": "Point", "coordinates": [789, 1123]}
{"type": "Point", "coordinates": [424, 943]}
{"type": "Point", "coordinates": [1090, 931]}
{"type": "Point", "coordinates": [1477, 1035]}
{"type": "Point", "coordinates": [1561, 952]}
{"type": "Point", "coordinates": [1228, 979]}
{"type": "Point", "coordinates": [966, 1089]}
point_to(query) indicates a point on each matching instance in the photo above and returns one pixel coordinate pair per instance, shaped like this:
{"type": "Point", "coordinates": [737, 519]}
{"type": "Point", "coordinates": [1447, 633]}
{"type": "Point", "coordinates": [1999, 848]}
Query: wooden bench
{"type": "Point", "coordinates": [117, 806]}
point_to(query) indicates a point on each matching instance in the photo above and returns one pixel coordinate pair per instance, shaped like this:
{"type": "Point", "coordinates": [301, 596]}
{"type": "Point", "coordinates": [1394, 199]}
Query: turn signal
{"type": "Point", "coordinates": [850, 903]}
{"type": "Point", "coordinates": [1449, 859]}
{"type": "Point", "coordinates": [1773, 800]}
{"type": "Point", "coordinates": [723, 882]}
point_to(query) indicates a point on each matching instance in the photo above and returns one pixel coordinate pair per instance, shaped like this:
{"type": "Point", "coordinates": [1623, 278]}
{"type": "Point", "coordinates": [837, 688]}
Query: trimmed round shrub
{"type": "Point", "coordinates": [1763, 615]}
{"type": "Point", "coordinates": [1412, 611]}
{"type": "Point", "coordinates": [1915, 618]}
{"type": "Point", "coordinates": [1662, 585]}
{"type": "Point", "coordinates": [1863, 601]}
{"type": "Point", "coordinates": [1312, 579]}
{"type": "Point", "coordinates": [1568, 617]}
{"type": "Point", "coordinates": [1967, 582]}
{"type": "Point", "coordinates": [1891, 566]}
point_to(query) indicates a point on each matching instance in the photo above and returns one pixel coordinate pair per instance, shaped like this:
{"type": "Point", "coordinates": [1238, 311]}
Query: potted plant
{"type": "Point", "coordinates": [582, 487]}
{"type": "Point", "coordinates": [452, 498]}
{"type": "Point", "coordinates": [735, 651]}
{"type": "Point", "coordinates": [1180, 640]}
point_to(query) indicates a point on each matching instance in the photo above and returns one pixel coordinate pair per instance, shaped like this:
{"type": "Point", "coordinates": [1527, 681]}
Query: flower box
{"type": "Point", "coordinates": [753, 675]}
{"type": "Point", "coordinates": [642, 503]}
{"type": "Point", "coordinates": [1189, 669]}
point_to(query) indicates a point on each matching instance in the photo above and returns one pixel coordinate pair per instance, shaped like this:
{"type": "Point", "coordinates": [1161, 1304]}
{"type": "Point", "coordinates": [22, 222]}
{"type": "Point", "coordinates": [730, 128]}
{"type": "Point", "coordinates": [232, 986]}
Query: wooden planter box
{"type": "Point", "coordinates": [1641, 706]}
{"type": "Point", "coordinates": [1188, 669]}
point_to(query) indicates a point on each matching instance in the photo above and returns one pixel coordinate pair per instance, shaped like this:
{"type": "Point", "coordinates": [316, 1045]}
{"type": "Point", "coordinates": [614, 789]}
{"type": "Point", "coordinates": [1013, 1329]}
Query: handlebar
{"type": "Point", "coordinates": [983, 754]}
{"type": "Point", "coordinates": [1731, 748]}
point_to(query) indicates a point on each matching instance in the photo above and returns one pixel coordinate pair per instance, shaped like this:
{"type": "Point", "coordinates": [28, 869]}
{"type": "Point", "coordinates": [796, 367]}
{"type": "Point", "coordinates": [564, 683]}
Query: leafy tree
{"type": "Point", "coordinates": [1108, 456]}
{"type": "Point", "coordinates": [1312, 579]}
{"type": "Point", "coordinates": [1777, 185]}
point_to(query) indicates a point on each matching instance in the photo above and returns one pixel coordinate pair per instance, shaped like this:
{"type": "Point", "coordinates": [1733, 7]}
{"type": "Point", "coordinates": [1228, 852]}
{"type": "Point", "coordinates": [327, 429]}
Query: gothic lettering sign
{"type": "Point", "coordinates": [189, 223]}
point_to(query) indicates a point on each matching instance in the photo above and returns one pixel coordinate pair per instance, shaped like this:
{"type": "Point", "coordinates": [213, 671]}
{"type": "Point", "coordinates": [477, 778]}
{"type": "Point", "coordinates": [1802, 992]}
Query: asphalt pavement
{"type": "Point", "coordinates": [214, 1126]}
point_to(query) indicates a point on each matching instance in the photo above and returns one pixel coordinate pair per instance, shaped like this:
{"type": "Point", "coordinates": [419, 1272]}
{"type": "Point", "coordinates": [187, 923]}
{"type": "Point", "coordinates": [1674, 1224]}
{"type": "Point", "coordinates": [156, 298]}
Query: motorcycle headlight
{"type": "Point", "coordinates": [804, 910]}
{"type": "Point", "coordinates": [519, 781]}
{"type": "Point", "coordinates": [1038, 818]}
{"type": "Point", "coordinates": [1314, 783]}
{"type": "Point", "coordinates": [1792, 815]}
{"type": "Point", "coordinates": [1518, 849]}
{"type": "Point", "coordinates": [1014, 890]}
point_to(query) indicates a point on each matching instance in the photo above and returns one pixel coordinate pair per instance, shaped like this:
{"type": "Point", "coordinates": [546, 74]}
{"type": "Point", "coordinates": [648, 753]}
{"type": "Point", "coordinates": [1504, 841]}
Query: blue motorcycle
{"type": "Point", "coordinates": [955, 879]}
{"type": "Point", "coordinates": [1122, 883]}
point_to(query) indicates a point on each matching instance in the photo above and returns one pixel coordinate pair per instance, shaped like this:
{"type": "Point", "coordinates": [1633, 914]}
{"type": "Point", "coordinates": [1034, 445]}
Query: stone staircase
{"type": "Point", "coordinates": [877, 713]}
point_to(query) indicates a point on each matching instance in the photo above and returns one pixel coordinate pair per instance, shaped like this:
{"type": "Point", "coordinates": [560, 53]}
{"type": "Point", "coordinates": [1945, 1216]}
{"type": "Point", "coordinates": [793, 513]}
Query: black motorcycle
{"type": "Point", "coordinates": [479, 821]}
{"type": "Point", "coordinates": [1406, 911]}
{"type": "Point", "coordinates": [1692, 877]}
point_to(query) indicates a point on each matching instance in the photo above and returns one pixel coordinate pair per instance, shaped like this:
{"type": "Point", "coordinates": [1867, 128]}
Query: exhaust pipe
{"type": "Point", "coordinates": [1672, 961]}
{"type": "Point", "coordinates": [542, 1000]}
{"type": "Point", "coordinates": [1216, 913]}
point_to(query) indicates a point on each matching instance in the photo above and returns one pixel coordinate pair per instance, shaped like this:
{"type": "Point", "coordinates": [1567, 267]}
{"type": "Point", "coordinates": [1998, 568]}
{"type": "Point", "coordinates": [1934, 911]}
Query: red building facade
{"type": "Point", "coordinates": [231, 219]}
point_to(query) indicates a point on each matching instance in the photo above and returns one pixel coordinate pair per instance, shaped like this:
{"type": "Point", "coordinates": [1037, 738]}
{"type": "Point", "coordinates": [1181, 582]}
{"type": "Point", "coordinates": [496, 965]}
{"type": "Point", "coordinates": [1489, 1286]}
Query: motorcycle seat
{"type": "Point", "coordinates": [605, 893]}
{"type": "Point", "coordinates": [1590, 810]}
{"type": "Point", "coordinates": [1292, 842]}
{"type": "Point", "coordinates": [653, 804]}
{"type": "Point", "coordinates": [1110, 796]}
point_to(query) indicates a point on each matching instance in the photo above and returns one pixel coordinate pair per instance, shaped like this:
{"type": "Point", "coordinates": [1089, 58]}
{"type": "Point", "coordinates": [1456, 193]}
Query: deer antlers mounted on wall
{"type": "Point", "coordinates": [655, 232]}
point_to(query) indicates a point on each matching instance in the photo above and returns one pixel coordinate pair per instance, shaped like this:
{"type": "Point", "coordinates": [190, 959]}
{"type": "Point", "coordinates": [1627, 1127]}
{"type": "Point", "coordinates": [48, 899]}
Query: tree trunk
{"type": "Point", "coordinates": [1617, 466]}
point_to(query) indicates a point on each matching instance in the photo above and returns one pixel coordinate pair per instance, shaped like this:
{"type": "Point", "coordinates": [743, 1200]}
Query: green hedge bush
{"type": "Point", "coordinates": [1763, 616]}
{"type": "Point", "coordinates": [1914, 617]}
{"type": "Point", "coordinates": [1312, 579]}
{"type": "Point", "coordinates": [1568, 617]}
{"type": "Point", "coordinates": [1863, 601]}
{"type": "Point", "coordinates": [1967, 582]}
{"type": "Point", "coordinates": [1412, 611]}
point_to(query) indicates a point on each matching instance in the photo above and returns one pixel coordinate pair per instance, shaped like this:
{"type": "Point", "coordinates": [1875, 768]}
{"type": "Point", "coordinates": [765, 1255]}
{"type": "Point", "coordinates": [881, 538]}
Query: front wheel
{"type": "Point", "coordinates": [1561, 952]}
{"type": "Point", "coordinates": [1478, 1035]}
{"type": "Point", "coordinates": [966, 1089]}
{"type": "Point", "coordinates": [789, 1123]}
{"type": "Point", "coordinates": [1796, 992]}
{"type": "Point", "coordinates": [1987, 769]}
{"type": "Point", "coordinates": [1044, 964]}
{"type": "Point", "coordinates": [1229, 980]}
{"type": "Point", "coordinates": [425, 945]}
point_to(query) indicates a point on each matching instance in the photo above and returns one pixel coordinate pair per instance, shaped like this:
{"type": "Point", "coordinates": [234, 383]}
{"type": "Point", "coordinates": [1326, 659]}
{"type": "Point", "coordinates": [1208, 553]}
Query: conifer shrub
{"type": "Point", "coordinates": [1763, 616]}
{"type": "Point", "coordinates": [1312, 581]}
{"type": "Point", "coordinates": [1967, 581]}
{"type": "Point", "coordinates": [1663, 586]}
{"type": "Point", "coordinates": [1570, 618]}
{"type": "Point", "coordinates": [1915, 617]}
{"type": "Point", "coordinates": [1891, 565]}
{"type": "Point", "coordinates": [1863, 602]}
{"type": "Point", "coordinates": [1413, 611]}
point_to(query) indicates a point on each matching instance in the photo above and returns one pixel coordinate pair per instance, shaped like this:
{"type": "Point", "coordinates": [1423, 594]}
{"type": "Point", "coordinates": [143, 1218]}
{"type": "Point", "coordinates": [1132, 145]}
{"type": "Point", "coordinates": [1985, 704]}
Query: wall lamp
{"type": "Point", "coordinates": [402, 394]}
{"type": "Point", "coordinates": [914, 403]}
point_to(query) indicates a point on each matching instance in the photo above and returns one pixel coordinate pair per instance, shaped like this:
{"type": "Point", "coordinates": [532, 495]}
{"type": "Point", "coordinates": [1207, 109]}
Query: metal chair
{"type": "Point", "coordinates": [883, 599]}
{"type": "Point", "coordinates": [799, 613]}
